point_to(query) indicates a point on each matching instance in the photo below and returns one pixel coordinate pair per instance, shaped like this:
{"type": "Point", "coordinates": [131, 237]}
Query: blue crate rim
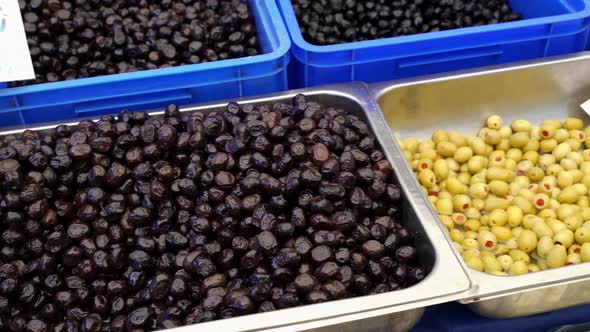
{"type": "Point", "coordinates": [293, 27]}
{"type": "Point", "coordinates": [250, 61]}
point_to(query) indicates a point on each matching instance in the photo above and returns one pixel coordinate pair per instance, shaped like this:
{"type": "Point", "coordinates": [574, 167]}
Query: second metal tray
{"type": "Point", "coordinates": [533, 91]}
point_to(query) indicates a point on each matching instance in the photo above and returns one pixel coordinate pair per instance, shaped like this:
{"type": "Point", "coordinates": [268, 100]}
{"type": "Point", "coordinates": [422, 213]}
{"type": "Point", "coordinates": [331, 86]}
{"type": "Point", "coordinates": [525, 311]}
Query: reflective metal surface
{"type": "Point", "coordinates": [394, 311]}
{"type": "Point", "coordinates": [533, 91]}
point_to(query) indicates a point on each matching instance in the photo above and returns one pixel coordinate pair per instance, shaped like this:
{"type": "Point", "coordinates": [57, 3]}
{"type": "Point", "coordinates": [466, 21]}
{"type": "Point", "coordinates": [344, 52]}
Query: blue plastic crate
{"type": "Point", "coordinates": [551, 27]}
{"type": "Point", "coordinates": [182, 85]}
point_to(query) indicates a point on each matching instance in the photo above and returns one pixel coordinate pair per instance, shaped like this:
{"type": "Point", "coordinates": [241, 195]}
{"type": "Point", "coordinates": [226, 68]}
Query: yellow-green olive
{"type": "Point", "coordinates": [569, 195]}
{"type": "Point", "coordinates": [494, 122]}
{"type": "Point", "coordinates": [444, 206]}
{"type": "Point", "coordinates": [518, 268]}
{"type": "Point", "coordinates": [502, 174]}
{"type": "Point", "coordinates": [440, 136]}
{"type": "Point", "coordinates": [519, 140]}
{"type": "Point", "coordinates": [532, 156]}
{"type": "Point", "coordinates": [532, 145]}
{"type": "Point", "coordinates": [523, 167]}
{"type": "Point", "coordinates": [546, 160]}
{"type": "Point", "coordinates": [492, 203]}
{"type": "Point", "coordinates": [410, 144]}
{"type": "Point", "coordinates": [505, 131]}
{"type": "Point", "coordinates": [521, 126]}
{"type": "Point", "coordinates": [502, 233]}
{"type": "Point", "coordinates": [487, 240]}
{"type": "Point", "coordinates": [472, 225]}
{"type": "Point", "coordinates": [463, 154]}
{"type": "Point", "coordinates": [455, 186]}
{"type": "Point", "coordinates": [458, 218]}
{"type": "Point", "coordinates": [478, 146]}
{"type": "Point", "coordinates": [457, 235]}
{"type": "Point", "coordinates": [568, 164]}
{"type": "Point", "coordinates": [573, 222]}
{"type": "Point", "coordinates": [561, 150]}
{"type": "Point", "coordinates": [441, 169]}
{"type": "Point", "coordinates": [527, 241]}
{"type": "Point", "coordinates": [524, 204]}
{"type": "Point", "coordinates": [547, 214]}
{"type": "Point", "coordinates": [573, 259]}
{"type": "Point", "coordinates": [547, 131]}
{"type": "Point", "coordinates": [491, 136]}
{"type": "Point", "coordinates": [561, 135]}
{"type": "Point", "coordinates": [474, 263]}
{"type": "Point", "coordinates": [544, 246]}
{"type": "Point", "coordinates": [426, 145]}
{"type": "Point", "coordinates": [564, 237]}
{"type": "Point", "coordinates": [491, 264]}
{"type": "Point", "coordinates": [556, 257]}
{"type": "Point", "coordinates": [585, 252]}
{"type": "Point", "coordinates": [427, 178]}
{"type": "Point", "coordinates": [505, 261]}
{"type": "Point", "coordinates": [573, 124]}
{"type": "Point", "coordinates": [515, 215]}
{"type": "Point", "coordinates": [446, 221]}
{"type": "Point", "coordinates": [499, 188]}
{"type": "Point", "coordinates": [520, 256]}
{"type": "Point", "coordinates": [479, 190]}
{"type": "Point", "coordinates": [447, 149]}
{"type": "Point", "coordinates": [541, 229]}
{"type": "Point", "coordinates": [582, 235]}
{"type": "Point", "coordinates": [453, 164]}
{"type": "Point", "coordinates": [535, 174]}
{"type": "Point", "coordinates": [457, 138]}
{"type": "Point", "coordinates": [461, 202]}
{"type": "Point", "coordinates": [548, 145]}
{"type": "Point", "coordinates": [514, 154]}
{"type": "Point", "coordinates": [556, 225]}
{"type": "Point", "coordinates": [498, 217]}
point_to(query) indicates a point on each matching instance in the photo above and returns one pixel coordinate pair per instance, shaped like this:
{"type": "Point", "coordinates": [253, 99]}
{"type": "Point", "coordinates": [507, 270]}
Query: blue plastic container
{"type": "Point", "coordinates": [551, 27]}
{"type": "Point", "coordinates": [188, 84]}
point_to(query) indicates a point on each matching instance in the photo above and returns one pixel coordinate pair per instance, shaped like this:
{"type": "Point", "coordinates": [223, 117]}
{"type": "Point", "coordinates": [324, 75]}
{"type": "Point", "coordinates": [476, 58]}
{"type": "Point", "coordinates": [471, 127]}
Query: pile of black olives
{"type": "Point", "coordinates": [137, 223]}
{"type": "Point", "coordinates": [327, 22]}
{"type": "Point", "coordinates": [70, 39]}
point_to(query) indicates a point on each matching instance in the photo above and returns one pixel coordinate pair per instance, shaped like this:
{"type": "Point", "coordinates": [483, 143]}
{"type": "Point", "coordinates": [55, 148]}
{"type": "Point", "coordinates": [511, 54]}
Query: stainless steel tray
{"type": "Point", "coordinates": [393, 311]}
{"type": "Point", "coordinates": [534, 91]}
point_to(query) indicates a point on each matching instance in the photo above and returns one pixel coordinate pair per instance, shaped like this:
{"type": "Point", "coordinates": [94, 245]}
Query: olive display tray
{"type": "Point", "coordinates": [393, 311]}
{"type": "Point", "coordinates": [534, 91]}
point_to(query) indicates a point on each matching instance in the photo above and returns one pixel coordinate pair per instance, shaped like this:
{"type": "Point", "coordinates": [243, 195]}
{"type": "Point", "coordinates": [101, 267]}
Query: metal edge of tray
{"type": "Point", "coordinates": [447, 269]}
{"type": "Point", "coordinates": [487, 286]}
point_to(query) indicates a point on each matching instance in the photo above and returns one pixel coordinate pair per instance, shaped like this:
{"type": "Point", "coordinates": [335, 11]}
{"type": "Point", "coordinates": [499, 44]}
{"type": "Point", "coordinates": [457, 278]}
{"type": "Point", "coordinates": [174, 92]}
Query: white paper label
{"type": "Point", "coordinates": [15, 60]}
{"type": "Point", "coordinates": [586, 106]}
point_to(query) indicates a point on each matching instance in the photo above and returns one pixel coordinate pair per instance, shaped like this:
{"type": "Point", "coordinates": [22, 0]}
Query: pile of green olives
{"type": "Point", "coordinates": [514, 199]}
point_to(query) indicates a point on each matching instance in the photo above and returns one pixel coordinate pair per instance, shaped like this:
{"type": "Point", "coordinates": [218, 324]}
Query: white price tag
{"type": "Point", "coordinates": [15, 60]}
{"type": "Point", "coordinates": [586, 106]}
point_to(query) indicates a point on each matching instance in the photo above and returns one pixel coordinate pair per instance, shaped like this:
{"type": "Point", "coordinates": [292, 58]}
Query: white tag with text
{"type": "Point", "coordinates": [15, 60]}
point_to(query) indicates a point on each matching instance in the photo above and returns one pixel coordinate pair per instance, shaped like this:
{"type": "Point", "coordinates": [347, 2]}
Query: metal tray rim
{"type": "Point", "coordinates": [487, 286]}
